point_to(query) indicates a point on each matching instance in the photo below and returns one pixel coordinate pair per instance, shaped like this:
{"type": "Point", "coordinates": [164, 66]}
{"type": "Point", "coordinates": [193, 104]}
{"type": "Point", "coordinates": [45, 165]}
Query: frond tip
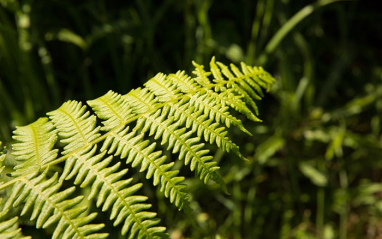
{"type": "Point", "coordinates": [74, 160]}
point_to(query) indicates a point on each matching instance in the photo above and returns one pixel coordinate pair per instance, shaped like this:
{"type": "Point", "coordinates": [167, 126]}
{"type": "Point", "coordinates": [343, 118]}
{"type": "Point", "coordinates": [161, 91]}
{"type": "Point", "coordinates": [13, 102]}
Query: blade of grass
{"type": "Point", "coordinates": [307, 74]}
{"type": "Point", "coordinates": [269, 10]}
{"type": "Point", "coordinates": [290, 25]}
{"type": "Point", "coordinates": [203, 32]}
{"type": "Point", "coordinates": [256, 25]}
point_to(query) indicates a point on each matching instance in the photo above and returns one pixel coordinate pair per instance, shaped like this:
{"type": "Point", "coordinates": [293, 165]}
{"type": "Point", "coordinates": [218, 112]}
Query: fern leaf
{"type": "Point", "coordinates": [186, 113]}
{"type": "Point", "coordinates": [208, 103]}
{"type": "Point", "coordinates": [164, 90]}
{"type": "Point", "coordinates": [130, 146]}
{"type": "Point", "coordinates": [40, 194]}
{"type": "Point", "coordinates": [72, 115]}
{"type": "Point", "coordinates": [34, 147]}
{"type": "Point", "coordinates": [258, 76]}
{"type": "Point", "coordinates": [139, 152]}
{"type": "Point", "coordinates": [141, 100]}
{"type": "Point", "coordinates": [248, 83]}
{"type": "Point", "coordinates": [112, 192]}
{"type": "Point", "coordinates": [215, 110]}
{"type": "Point", "coordinates": [204, 127]}
{"type": "Point", "coordinates": [9, 229]}
{"type": "Point", "coordinates": [112, 109]}
{"type": "Point", "coordinates": [178, 140]}
{"type": "Point", "coordinates": [245, 86]}
{"type": "Point", "coordinates": [226, 96]}
{"type": "Point", "coordinates": [184, 82]}
{"type": "Point", "coordinates": [75, 125]}
{"type": "Point", "coordinates": [177, 111]}
{"type": "Point", "coordinates": [202, 76]}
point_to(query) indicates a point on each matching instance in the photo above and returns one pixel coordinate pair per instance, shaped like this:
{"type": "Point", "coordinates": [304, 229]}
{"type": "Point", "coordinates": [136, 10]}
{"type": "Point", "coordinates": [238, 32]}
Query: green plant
{"type": "Point", "coordinates": [66, 162]}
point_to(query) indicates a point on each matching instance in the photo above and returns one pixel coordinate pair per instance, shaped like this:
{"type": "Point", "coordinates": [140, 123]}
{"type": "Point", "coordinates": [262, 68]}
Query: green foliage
{"type": "Point", "coordinates": [179, 112]}
{"type": "Point", "coordinates": [9, 228]}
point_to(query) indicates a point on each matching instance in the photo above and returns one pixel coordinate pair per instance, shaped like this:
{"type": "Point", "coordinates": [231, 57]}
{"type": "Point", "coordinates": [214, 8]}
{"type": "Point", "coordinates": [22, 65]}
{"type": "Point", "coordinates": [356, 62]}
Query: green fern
{"type": "Point", "coordinates": [175, 112]}
{"type": "Point", "coordinates": [9, 228]}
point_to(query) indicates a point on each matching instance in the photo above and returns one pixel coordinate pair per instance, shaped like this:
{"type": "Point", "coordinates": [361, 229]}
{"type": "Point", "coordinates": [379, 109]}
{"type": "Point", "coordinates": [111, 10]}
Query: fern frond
{"type": "Point", "coordinates": [112, 109]}
{"type": "Point", "coordinates": [215, 110]}
{"type": "Point", "coordinates": [9, 228]}
{"type": "Point", "coordinates": [227, 96]}
{"type": "Point", "coordinates": [206, 128]}
{"type": "Point", "coordinates": [48, 206]}
{"type": "Point", "coordinates": [83, 164]}
{"type": "Point", "coordinates": [177, 140]}
{"type": "Point", "coordinates": [198, 90]}
{"type": "Point", "coordinates": [75, 125]}
{"type": "Point", "coordinates": [182, 142]}
{"type": "Point", "coordinates": [202, 76]}
{"type": "Point", "coordinates": [184, 82]}
{"type": "Point", "coordinates": [139, 152]}
{"type": "Point", "coordinates": [258, 75]}
{"type": "Point", "coordinates": [188, 115]}
{"type": "Point", "coordinates": [112, 192]}
{"type": "Point", "coordinates": [34, 147]}
{"type": "Point", "coordinates": [246, 83]}
{"type": "Point", "coordinates": [141, 100]}
{"type": "Point", "coordinates": [164, 90]}
{"type": "Point", "coordinates": [179, 112]}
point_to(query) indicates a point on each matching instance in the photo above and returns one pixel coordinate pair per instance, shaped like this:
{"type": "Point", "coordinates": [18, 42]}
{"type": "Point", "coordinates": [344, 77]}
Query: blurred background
{"type": "Point", "coordinates": [315, 165]}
